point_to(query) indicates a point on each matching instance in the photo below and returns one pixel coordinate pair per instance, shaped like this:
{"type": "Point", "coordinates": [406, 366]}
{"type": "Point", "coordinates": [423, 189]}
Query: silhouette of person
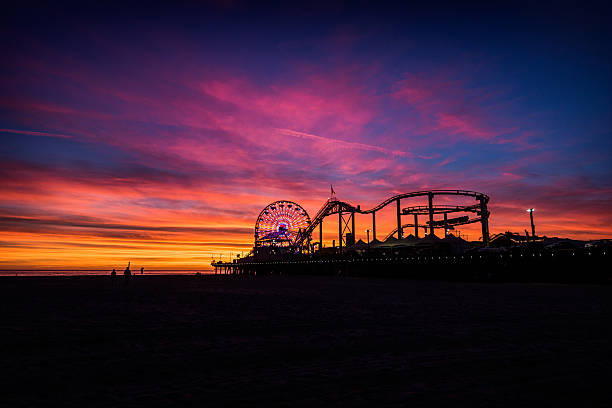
{"type": "Point", "coordinates": [127, 274]}
{"type": "Point", "coordinates": [141, 270]}
{"type": "Point", "coordinates": [113, 276]}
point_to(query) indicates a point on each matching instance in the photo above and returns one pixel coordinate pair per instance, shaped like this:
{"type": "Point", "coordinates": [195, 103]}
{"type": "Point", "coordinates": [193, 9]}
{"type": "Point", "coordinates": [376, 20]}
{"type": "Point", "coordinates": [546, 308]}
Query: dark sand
{"type": "Point", "coordinates": [302, 341]}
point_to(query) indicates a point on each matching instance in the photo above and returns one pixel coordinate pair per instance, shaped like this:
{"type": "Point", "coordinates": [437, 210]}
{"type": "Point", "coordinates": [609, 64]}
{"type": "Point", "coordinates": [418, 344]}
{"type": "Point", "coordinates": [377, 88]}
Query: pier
{"type": "Point", "coordinates": [285, 243]}
{"type": "Point", "coordinates": [226, 268]}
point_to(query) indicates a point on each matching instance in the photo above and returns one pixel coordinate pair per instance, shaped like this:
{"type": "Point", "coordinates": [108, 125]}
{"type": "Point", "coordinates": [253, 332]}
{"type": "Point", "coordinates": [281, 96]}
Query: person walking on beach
{"type": "Point", "coordinates": [127, 274]}
{"type": "Point", "coordinates": [141, 270]}
{"type": "Point", "coordinates": [113, 276]}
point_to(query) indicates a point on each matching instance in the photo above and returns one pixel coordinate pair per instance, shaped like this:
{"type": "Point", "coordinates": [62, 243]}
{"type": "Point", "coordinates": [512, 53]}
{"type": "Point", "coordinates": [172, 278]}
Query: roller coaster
{"type": "Point", "coordinates": [288, 225]}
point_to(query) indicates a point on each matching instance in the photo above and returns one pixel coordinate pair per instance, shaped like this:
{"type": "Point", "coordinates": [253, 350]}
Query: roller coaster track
{"type": "Point", "coordinates": [389, 200]}
{"type": "Point", "coordinates": [439, 209]}
{"type": "Point", "coordinates": [333, 206]}
{"type": "Point", "coordinates": [454, 224]}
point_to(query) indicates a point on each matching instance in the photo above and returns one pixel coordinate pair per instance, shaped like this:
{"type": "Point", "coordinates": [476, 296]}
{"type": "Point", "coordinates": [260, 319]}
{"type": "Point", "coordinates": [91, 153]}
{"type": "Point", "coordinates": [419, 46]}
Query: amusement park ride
{"type": "Point", "coordinates": [284, 235]}
{"type": "Point", "coordinates": [287, 224]}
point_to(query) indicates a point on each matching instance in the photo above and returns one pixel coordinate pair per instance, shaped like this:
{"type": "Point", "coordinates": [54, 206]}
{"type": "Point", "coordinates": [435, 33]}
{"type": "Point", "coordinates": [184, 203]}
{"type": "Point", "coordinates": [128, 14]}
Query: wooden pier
{"type": "Point", "coordinates": [228, 268]}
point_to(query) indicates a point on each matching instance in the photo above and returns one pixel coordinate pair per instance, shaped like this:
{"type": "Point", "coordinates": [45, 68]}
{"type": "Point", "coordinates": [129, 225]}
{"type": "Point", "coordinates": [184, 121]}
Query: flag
{"type": "Point", "coordinates": [332, 190]}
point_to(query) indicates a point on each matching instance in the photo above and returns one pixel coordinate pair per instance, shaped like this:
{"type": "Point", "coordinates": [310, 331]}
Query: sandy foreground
{"type": "Point", "coordinates": [302, 341]}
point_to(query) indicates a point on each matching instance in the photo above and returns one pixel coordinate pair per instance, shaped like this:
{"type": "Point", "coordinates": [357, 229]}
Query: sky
{"type": "Point", "coordinates": [156, 134]}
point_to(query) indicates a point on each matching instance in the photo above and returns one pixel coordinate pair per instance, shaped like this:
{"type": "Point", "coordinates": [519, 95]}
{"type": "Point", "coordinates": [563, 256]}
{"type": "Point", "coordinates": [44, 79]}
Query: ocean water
{"type": "Point", "coordinates": [98, 272]}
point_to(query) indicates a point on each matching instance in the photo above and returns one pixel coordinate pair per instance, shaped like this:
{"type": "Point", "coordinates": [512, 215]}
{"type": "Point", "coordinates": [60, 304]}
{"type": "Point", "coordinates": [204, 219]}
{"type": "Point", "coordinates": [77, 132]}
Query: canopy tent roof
{"type": "Point", "coordinates": [358, 246]}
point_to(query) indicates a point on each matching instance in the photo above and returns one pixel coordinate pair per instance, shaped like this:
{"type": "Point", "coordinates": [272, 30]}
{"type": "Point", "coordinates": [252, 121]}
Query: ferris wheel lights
{"type": "Point", "coordinates": [280, 223]}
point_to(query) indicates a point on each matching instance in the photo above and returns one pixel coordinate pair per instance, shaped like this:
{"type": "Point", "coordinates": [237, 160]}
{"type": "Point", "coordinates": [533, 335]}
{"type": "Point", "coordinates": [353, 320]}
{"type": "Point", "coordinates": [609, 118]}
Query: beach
{"type": "Point", "coordinates": [302, 341]}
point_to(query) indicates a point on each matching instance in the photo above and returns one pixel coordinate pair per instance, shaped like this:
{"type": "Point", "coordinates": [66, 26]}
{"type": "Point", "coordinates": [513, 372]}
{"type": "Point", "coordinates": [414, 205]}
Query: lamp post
{"type": "Point", "coordinates": [530, 211]}
{"type": "Point", "coordinates": [368, 232]}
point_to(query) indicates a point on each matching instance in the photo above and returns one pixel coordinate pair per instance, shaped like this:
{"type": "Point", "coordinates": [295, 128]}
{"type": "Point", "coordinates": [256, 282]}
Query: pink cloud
{"type": "Point", "coordinates": [450, 108]}
{"type": "Point", "coordinates": [465, 126]}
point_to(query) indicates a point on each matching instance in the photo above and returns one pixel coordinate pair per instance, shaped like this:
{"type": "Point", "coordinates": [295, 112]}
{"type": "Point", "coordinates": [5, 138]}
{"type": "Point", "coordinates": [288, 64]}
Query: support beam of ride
{"type": "Point", "coordinates": [484, 215]}
{"type": "Point", "coordinates": [353, 225]}
{"type": "Point", "coordinates": [431, 221]}
{"type": "Point", "coordinates": [399, 221]}
{"type": "Point", "coordinates": [321, 234]}
{"type": "Point", "coordinates": [416, 226]}
{"type": "Point", "coordinates": [340, 229]}
{"type": "Point", "coordinates": [445, 225]}
{"type": "Point", "coordinates": [374, 226]}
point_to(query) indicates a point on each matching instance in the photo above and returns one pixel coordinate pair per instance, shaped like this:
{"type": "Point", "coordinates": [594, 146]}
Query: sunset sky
{"type": "Point", "coordinates": [157, 134]}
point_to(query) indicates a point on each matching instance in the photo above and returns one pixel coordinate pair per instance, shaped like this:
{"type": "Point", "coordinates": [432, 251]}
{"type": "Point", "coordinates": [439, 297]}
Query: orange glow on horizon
{"type": "Point", "coordinates": [173, 239]}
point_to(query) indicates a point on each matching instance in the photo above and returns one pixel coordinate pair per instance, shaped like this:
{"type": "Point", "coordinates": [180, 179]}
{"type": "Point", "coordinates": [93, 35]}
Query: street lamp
{"type": "Point", "coordinates": [530, 211]}
{"type": "Point", "coordinates": [368, 231]}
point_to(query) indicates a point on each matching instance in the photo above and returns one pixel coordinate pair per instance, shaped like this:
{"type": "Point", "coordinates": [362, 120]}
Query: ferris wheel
{"type": "Point", "coordinates": [279, 224]}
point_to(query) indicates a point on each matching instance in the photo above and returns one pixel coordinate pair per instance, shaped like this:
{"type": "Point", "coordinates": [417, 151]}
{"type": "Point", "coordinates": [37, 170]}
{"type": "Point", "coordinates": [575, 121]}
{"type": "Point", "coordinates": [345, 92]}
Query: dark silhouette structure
{"type": "Point", "coordinates": [286, 224]}
{"type": "Point", "coordinates": [287, 249]}
{"type": "Point", "coordinates": [127, 274]}
{"type": "Point", "coordinates": [530, 211]}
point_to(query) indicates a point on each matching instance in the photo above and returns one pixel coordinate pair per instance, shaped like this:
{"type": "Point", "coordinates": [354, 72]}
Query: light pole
{"type": "Point", "coordinates": [368, 232]}
{"type": "Point", "coordinates": [530, 211]}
